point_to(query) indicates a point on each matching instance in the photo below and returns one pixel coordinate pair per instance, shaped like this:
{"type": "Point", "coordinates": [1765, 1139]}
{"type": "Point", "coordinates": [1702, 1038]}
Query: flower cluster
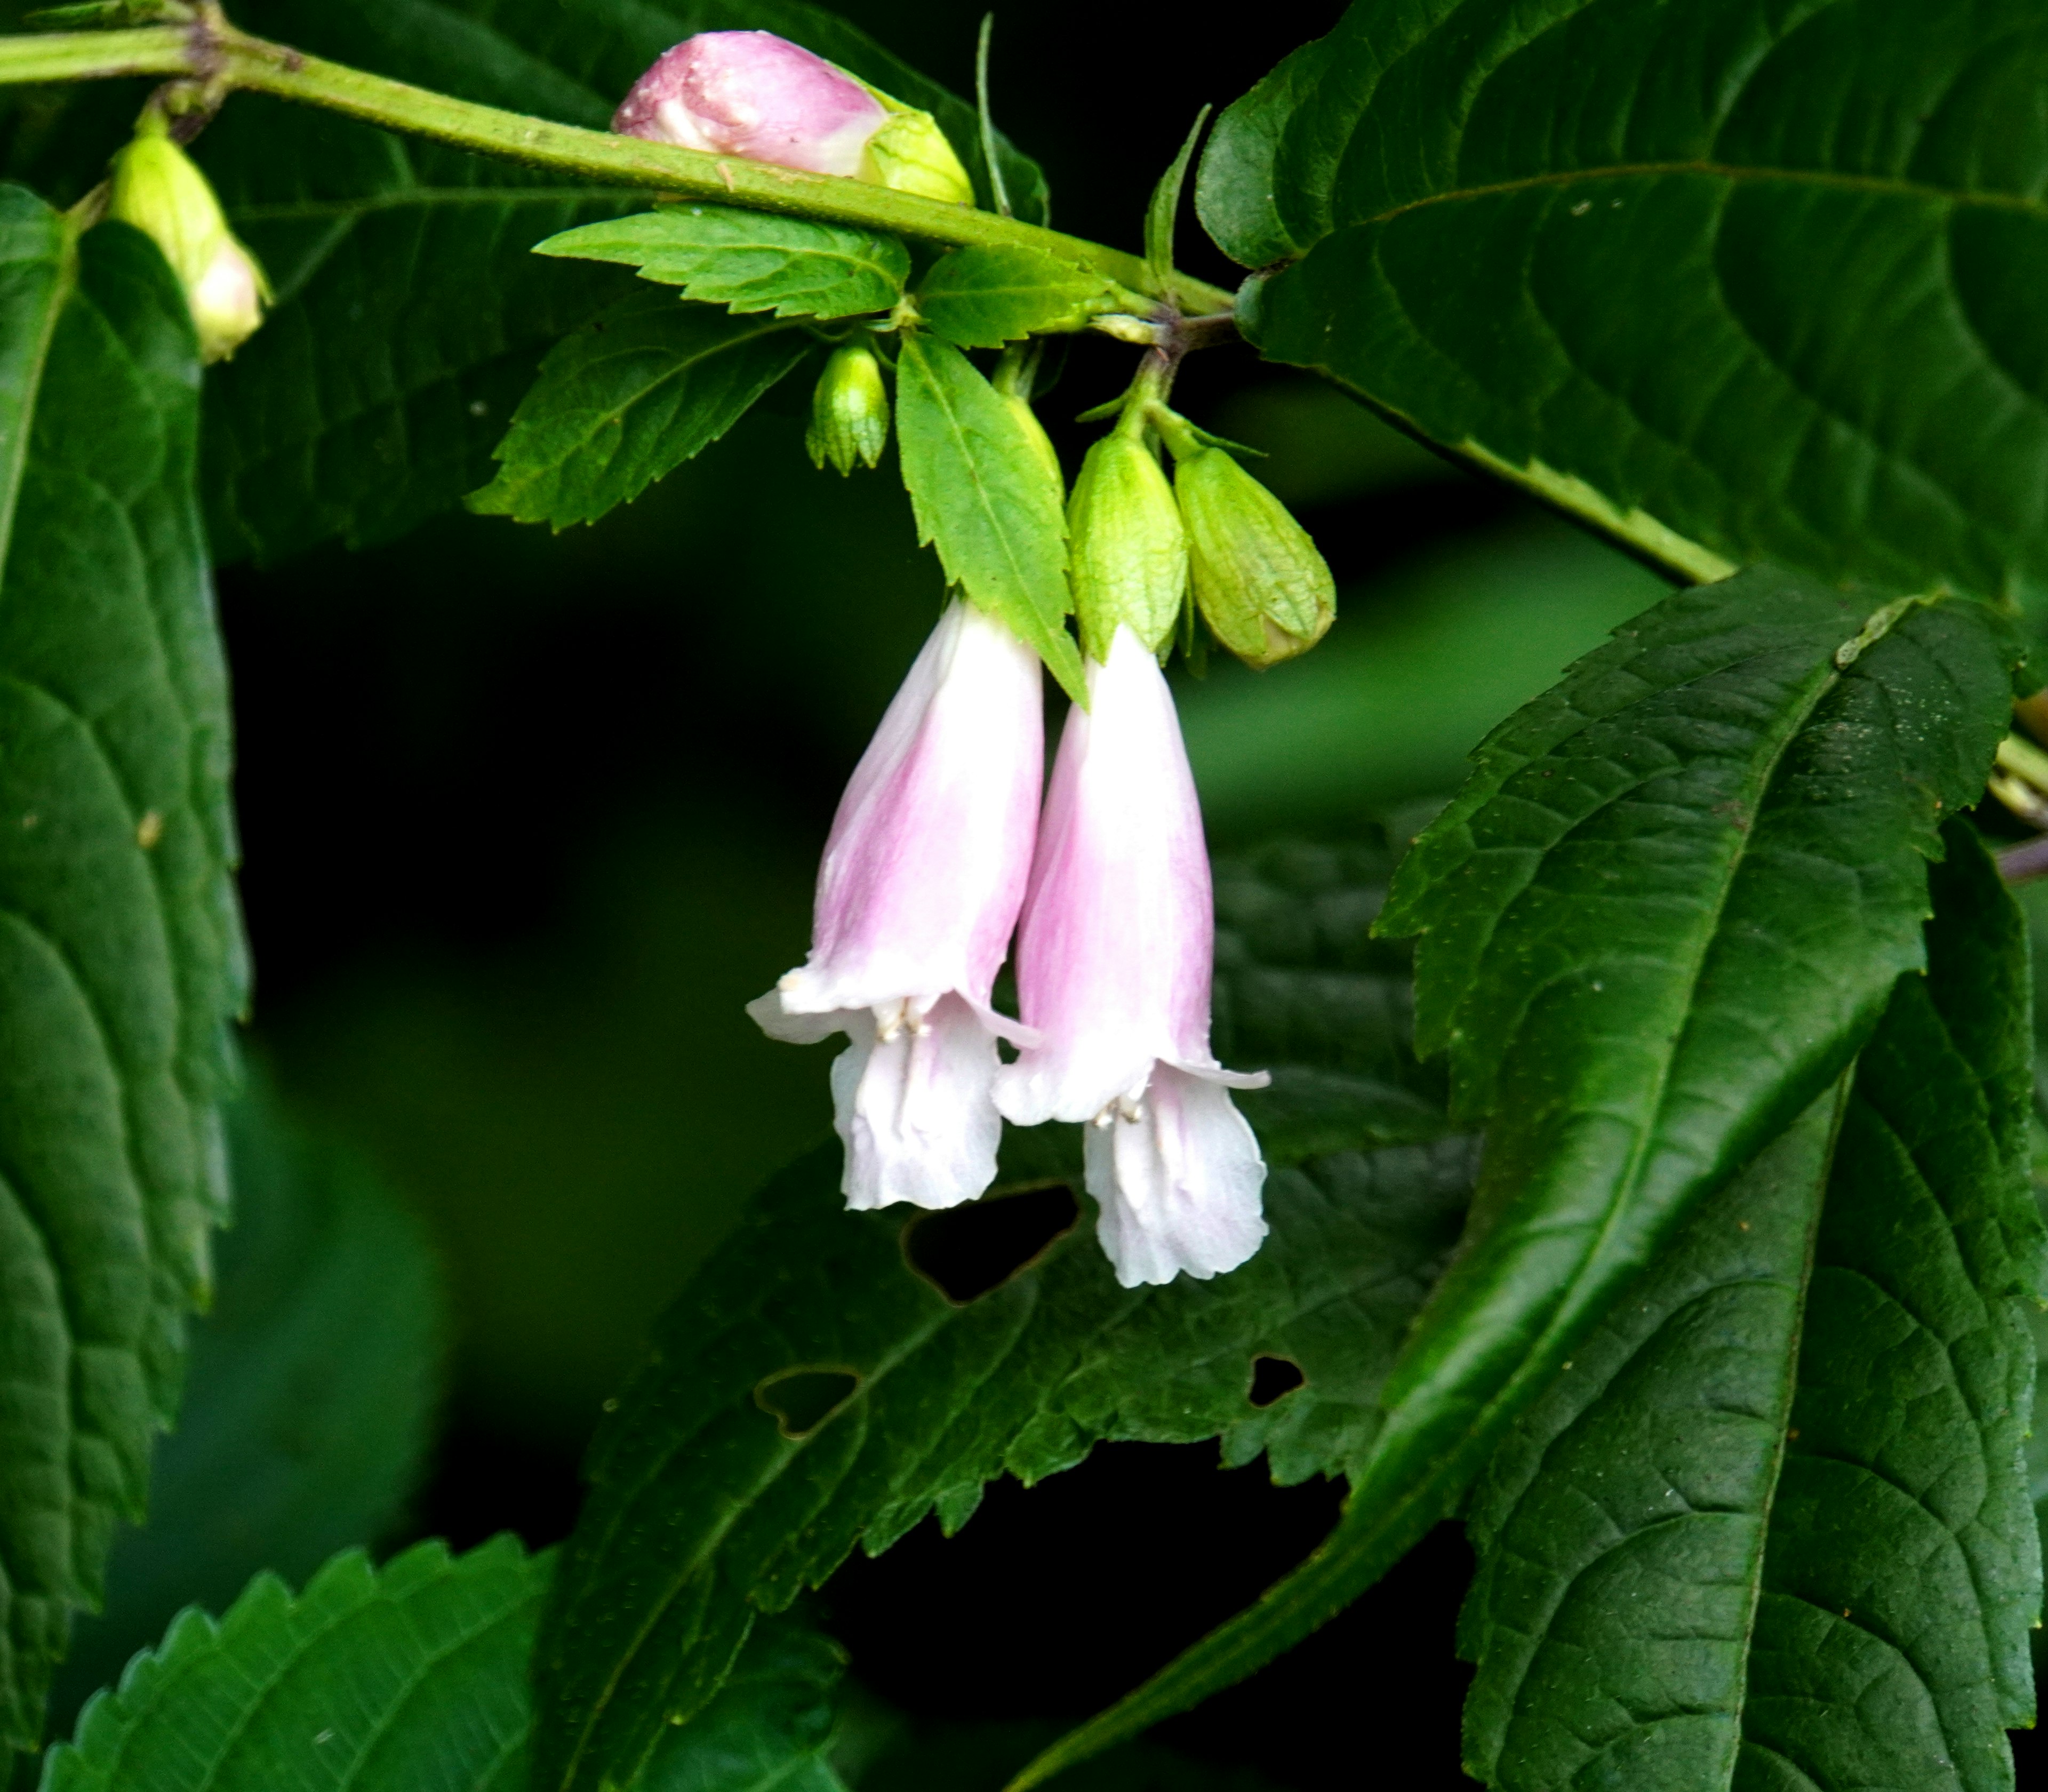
{"type": "Point", "coordinates": [942, 852]}
{"type": "Point", "coordinates": [924, 877]}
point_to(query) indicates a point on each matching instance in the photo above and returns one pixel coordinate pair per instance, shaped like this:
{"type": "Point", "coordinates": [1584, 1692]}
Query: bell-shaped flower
{"type": "Point", "coordinates": [924, 873]}
{"type": "Point", "coordinates": [1114, 961]}
{"type": "Point", "coordinates": [753, 94]}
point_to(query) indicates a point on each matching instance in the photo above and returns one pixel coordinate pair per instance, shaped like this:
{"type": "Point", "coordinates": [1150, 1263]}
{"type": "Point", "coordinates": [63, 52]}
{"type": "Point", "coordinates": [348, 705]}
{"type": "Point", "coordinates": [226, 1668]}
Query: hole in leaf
{"type": "Point", "coordinates": [967, 1250]}
{"type": "Point", "coordinates": [1271, 1377]}
{"type": "Point", "coordinates": [802, 1399]}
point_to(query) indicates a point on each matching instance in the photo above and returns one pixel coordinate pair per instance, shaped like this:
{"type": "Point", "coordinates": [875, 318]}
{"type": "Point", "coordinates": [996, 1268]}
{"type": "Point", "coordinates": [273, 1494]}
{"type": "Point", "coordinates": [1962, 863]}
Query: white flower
{"type": "Point", "coordinates": [1114, 963]}
{"type": "Point", "coordinates": [923, 875]}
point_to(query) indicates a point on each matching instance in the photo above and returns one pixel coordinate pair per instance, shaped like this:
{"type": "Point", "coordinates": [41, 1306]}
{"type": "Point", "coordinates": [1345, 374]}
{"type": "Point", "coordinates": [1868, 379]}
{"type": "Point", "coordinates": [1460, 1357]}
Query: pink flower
{"type": "Point", "coordinates": [923, 872]}
{"type": "Point", "coordinates": [752, 94]}
{"type": "Point", "coordinates": [1113, 968]}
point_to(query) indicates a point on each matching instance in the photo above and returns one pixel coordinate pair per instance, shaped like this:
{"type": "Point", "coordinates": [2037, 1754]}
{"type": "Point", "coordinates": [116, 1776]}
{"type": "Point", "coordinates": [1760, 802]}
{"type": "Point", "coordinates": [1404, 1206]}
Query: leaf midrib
{"type": "Point", "coordinates": [1887, 186]}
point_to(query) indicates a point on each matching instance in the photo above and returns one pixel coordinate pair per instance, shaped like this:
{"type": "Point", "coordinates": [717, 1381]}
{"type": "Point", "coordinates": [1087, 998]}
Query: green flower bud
{"type": "Point", "coordinates": [912, 155]}
{"type": "Point", "coordinates": [1129, 551]}
{"type": "Point", "coordinates": [158, 188]}
{"type": "Point", "coordinates": [849, 409]}
{"type": "Point", "coordinates": [1263, 589]}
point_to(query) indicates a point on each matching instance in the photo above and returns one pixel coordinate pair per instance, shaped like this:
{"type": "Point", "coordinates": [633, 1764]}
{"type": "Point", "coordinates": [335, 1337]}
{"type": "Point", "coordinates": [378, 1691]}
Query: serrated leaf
{"type": "Point", "coordinates": [312, 1395]}
{"type": "Point", "coordinates": [986, 493]}
{"type": "Point", "coordinates": [983, 297]}
{"type": "Point", "coordinates": [1693, 1577]}
{"type": "Point", "coordinates": [121, 955]}
{"type": "Point", "coordinates": [411, 315]}
{"type": "Point", "coordinates": [702, 1511]}
{"type": "Point", "coordinates": [749, 260]}
{"type": "Point", "coordinates": [1663, 916]}
{"type": "Point", "coordinates": [1741, 290]}
{"type": "Point", "coordinates": [627, 398]}
{"type": "Point", "coordinates": [409, 1677]}
{"type": "Point", "coordinates": [413, 1677]}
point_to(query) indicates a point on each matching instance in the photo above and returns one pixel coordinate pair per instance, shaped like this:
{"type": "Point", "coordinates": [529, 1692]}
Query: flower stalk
{"type": "Point", "coordinates": [224, 59]}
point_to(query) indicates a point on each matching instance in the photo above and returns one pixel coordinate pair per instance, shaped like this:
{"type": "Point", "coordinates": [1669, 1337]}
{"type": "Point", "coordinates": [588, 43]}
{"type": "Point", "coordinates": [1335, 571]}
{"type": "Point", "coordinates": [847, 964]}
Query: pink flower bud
{"type": "Point", "coordinates": [923, 875]}
{"type": "Point", "coordinates": [1113, 969]}
{"type": "Point", "coordinates": [752, 94]}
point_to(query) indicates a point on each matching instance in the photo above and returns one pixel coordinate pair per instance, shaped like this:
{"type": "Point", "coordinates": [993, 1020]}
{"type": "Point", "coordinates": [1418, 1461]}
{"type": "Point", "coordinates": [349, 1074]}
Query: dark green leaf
{"type": "Point", "coordinates": [1741, 285]}
{"type": "Point", "coordinates": [628, 397]}
{"type": "Point", "coordinates": [702, 1510]}
{"type": "Point", "coordinates": [414, 1678]}
{"type": "Point", "coordinates": [984, 298]}
{"type": "Point", "coordinates": [1662, 918]}
{"type": "Point", "coordinates": [989, 493]}
{"type": "Point", "coordinates": [1620, 1529]}
{"type": "Point", "coordinates": [1691, 1577]}
{"type": "Point", "coordinates": [310, 1402]}
{"type": "Point", "coordinates": [120, 956]}
{"type": "Point", "coordinates": [749, 260]}
{"type": "Point", "coordinates": [409, 1679]}
{"type": "Point", "coordinates": [768, 1729]}
{"type": "Point", "coordinates": [411, 315]}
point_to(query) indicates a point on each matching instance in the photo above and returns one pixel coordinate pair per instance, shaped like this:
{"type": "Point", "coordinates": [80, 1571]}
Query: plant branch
{"type": "Point", "coordinates": [225, 59]}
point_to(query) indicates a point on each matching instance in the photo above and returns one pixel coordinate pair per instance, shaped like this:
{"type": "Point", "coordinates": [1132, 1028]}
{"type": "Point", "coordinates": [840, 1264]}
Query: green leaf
{"type": "Point", "coordinates": [310, 1400]}
{"type": "Point", "coordinates": [627, 398]}
{"type": "Point", "coordinates": [1163, 213]}
{"type": "Point", "coordinates": [1662, 918]}
{"type": "Point", "coordinates": [1743, 290]}
{"type": "Point", "coordinates": [702, 1511]}
{"type": "Point", "coordinates": [984, 297]}
{"type": "Point", "coordinates": [1692, 1577]}
{"type": "Point", "coordinates": [770, 1727]}
{"type": "Point", "coordinates": [989, 495]}
{"type": "Point", "coordinates": [121, 955]}
{"type": "Point", "coordinates": [411, 315]}
{"type": "Point", "coordinates": [749, 260]}
{"type": "Point", "coordinates": [411, 1677]}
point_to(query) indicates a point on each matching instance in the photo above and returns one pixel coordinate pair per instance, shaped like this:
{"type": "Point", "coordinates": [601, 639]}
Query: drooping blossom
{"type": "Point", "coordinates": [923, 872]}
{"type": "Point", "coordinates": [1114, 962]}
{"type": "Point", "coordinates": [752, 94]}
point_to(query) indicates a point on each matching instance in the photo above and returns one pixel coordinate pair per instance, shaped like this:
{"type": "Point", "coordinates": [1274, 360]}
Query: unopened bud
{"type": "Point", "coordinates": [1129, 551]}
{"type": "Point", "coordinates": [755, 94]}
{"type": "Point", "coordinates": [1263, 589]}
{"type": "Point", "coordinates": [849, 409]}
{"type": "Point", "coordinates": [158, 188]}
{"type": "Point", "coordinates": [1034, 433]}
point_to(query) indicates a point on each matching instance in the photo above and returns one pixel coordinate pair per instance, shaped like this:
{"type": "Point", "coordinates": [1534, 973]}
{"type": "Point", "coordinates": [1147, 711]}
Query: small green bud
{"type": "Point", "coordinates": [849, 409]}
{"type": "Point", "coordinates": [1129, 550]}
{"type": "Point", "coordinates": [158, 188]}
{"type": "Point", "coordinates": [1261, 586]}
{"type": "Point", "coordinates": [910, 154]}
{"type": "Point", "coordinates": [1034, 433]}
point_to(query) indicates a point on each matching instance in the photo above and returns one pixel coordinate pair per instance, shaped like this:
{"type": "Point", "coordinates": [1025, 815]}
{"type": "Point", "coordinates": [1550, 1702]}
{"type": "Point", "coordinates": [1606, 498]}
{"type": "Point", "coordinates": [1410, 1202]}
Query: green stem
{"type": "Point", "coordinates": [227, 60]}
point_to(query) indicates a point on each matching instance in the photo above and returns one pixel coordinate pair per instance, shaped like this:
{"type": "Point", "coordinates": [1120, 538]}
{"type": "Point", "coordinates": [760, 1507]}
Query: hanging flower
{"type": "Point", "coordinates": [1113, 966]}
{"type": "Point", "coordinates": [923, 875]}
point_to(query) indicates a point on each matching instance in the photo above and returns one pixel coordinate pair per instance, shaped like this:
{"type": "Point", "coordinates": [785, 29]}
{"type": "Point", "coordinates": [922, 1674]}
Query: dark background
{"type": "Point", "coordinates": [527, 819]}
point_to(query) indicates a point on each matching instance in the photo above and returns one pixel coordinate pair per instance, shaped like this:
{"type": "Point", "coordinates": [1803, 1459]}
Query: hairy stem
{"type": "Point", "coordinates": [227, 60]}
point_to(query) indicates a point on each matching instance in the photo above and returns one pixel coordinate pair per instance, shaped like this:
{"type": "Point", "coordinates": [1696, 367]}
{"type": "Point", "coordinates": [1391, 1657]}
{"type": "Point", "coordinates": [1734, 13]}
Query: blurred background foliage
{"type": "Point", "coordinates": [527, 819]}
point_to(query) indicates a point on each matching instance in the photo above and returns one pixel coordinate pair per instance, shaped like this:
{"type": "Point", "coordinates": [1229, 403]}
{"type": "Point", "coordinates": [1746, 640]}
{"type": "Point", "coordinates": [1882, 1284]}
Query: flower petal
{"type": "Point", "coordinates": [1118, 932]}
{"type": "Point", "coordinates": [914, 1110]}
{"type": "Point", "coordinates": [926, 865]}
{"type": "Point", "coordinates": [1179, 1185]}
